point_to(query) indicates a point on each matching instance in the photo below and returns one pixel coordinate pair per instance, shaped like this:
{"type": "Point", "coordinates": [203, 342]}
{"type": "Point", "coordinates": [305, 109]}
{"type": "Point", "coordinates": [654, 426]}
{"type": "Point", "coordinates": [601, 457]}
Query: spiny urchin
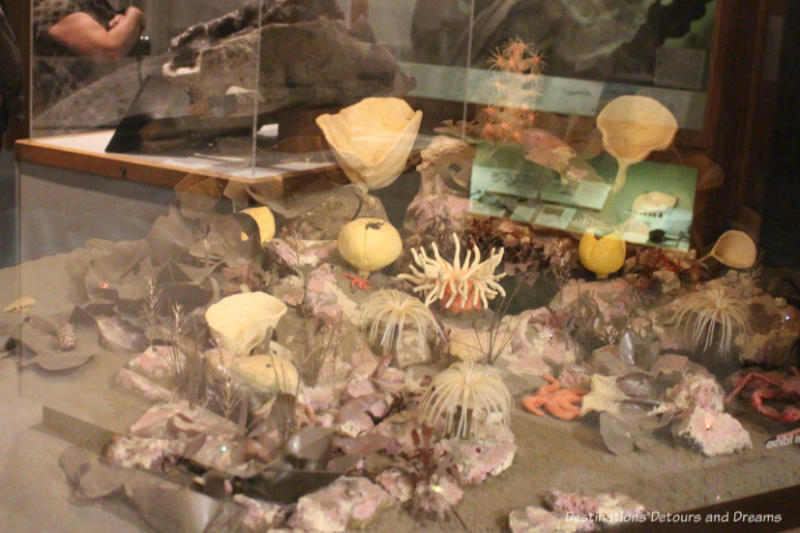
{"type": "Point", "coordinates": [712, 314]}
{"type": "Point", "coordinates": [464, 394]}
{"type": "Point", "coordinates": [392, 310]}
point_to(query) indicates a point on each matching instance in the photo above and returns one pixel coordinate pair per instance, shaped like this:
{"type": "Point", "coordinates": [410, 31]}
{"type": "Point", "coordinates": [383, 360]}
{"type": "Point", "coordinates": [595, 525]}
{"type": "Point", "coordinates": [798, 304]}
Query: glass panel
{"type": "Point", "coordinates": [128, 90]}
{"type": "Point", "coordinates": [404, 250]}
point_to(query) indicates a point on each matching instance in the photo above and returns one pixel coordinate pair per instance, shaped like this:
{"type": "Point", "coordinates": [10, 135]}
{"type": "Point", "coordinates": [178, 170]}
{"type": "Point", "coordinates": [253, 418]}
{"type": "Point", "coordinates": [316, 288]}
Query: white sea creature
{"type": "Point", "coordinates": [392, 309]}
{"type": "Point", "coordinates": [710, 312]}
{"type": "Point", "coordinates": [460, 286]}
{"type": "Point", "coordinates": [464, 394]}
{"type": "Point", "coordinates": [20, 305]}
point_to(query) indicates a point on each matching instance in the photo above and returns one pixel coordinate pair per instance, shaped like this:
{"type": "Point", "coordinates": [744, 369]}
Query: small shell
{"type": "Point", "coordinates": [66, 339]}
{"type": "Point", "coordinates": [20, 305]}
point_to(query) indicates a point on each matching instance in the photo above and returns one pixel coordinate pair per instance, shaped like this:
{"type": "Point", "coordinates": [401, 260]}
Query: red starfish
{"type": "Point", "coordinates": [561, 403]}
{"type": "Point", "coordinates": [358, 281]}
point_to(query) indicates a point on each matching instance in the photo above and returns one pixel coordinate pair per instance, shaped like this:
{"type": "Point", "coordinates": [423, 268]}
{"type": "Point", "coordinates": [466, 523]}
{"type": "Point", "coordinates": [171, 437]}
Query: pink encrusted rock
{"type": "Point", "coordinates": [327, 301]}
{"type": "Point", "coordinates": [697, 390]}
{"type": "Point", "coordinates": [170, 420]}
{"type": "Point", "coordinates": [575, 377]}
{"type": "Point", "coordinates": [775, 326]}
{"type": "Point", "coordinates": [142, 453]}
{"type": "Point", "coordinates": [347, 503]}
{"type": "Point", "coordinates": [669, 364]}
{"type": "Point", "coordinates": [712, 432]}
{"type": "Point", "coordinates": [215, 452]}
{"type": "Point", "coordinates": [130, 380]}
{"type": "Point", "coordinates": [535, 345]}
{"type": "Point", "coordinates": [667, 281]}
{"type": "Point", "coordinates": [393, 375]}
{"type": "Point", "coordinates": [535, 519]}
{"type": "Point", "coordinates": [261, 515]}
{"type": "Point", "coordinates": [355, 426]}
{"type": "Point", "coordinates": [410, 350]}
{"type": "Point", "coordinates": [289, 289]}
{"type": "Point", "coordinates": [487, 456]}
{"type": "Point", "coordinates": [605, 509]}
{"type": "Point", "coordinates": [306, 254]}
{"type": "Point", "coordinates": [611, 296]}
{"type": "Point", "coordinates": [321, 397]}
{"type": "Point", "coordinates": [376, 405]}
{"type": "Point", "coordinates": [438, 496]}
{"type": "Point", "coordinates": [154, 362]}
{"type": "Point", "coordinates": [397, 429]}
{"type": "Point", "coordinates": [359, 387]}
{"type": "Point", "coordinates": [325, 420]}
{"type": "Point", "coordinates": [397, 483]}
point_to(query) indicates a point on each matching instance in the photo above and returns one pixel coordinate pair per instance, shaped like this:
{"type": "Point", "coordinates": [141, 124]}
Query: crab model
{"type": "Point", "coordinates": [561, 403]}
{"type": "Point", "coordinates": [772, 387]}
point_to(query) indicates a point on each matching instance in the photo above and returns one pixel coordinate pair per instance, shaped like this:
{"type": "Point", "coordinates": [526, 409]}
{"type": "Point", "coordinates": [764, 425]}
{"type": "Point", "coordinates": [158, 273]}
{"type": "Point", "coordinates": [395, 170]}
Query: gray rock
{"type": "Point", "coordinates": [306, 58]}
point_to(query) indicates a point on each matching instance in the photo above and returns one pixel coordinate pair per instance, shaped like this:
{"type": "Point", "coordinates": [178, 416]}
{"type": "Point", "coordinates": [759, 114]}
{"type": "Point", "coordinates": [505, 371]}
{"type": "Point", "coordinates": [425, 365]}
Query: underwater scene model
{"type": "Point", "coordinates": [318, 372]}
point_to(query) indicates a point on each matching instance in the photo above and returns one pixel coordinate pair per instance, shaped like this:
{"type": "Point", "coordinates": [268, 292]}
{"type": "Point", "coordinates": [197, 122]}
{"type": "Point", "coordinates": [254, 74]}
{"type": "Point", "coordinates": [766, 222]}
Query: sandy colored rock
{"type": "Point", "coordinates": [267, 374]}
{"type": "Point", "coordinates": [240, 322]}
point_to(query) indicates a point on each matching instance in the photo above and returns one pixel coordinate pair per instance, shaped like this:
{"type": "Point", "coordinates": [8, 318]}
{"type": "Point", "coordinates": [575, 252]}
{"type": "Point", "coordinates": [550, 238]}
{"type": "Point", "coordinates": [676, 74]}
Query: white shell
{"type": "Point", "coordinates": [735, 249]}
{"type": "Point", "coordinates": [20, 305]}
{"type": "Point", "coordinates": [372, 139]}
{"type": "Point", "coordinates": [653, 203]}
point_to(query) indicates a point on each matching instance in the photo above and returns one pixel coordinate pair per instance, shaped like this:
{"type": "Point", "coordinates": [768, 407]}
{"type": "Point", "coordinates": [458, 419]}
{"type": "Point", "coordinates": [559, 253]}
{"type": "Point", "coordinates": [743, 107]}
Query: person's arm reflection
{"type": "Point", "coordinates": [83, 35]}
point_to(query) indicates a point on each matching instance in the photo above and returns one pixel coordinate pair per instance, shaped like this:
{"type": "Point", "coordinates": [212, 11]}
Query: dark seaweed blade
{"type": "Point", "coordinates": [59, 362]}
{"type": "Point", "coordinates": [286, 486]}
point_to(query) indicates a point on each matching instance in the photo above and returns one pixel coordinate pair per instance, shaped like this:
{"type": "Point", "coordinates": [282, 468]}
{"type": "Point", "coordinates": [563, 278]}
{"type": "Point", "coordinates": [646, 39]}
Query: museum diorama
{"type": "Point", "coordinates": [423, 266]}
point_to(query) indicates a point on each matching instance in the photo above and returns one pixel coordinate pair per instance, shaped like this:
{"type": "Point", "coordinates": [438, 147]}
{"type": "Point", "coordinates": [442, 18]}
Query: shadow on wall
{"type": "Point", "coordinates": [8, 218]}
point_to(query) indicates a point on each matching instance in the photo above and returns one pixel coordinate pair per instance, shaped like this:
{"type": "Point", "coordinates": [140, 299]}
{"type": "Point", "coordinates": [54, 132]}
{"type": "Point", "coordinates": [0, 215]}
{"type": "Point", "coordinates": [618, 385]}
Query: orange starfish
{"type": "Point", "coordinates": [561, 403]}
{"type": "Point", "coordinates": [358, 281]}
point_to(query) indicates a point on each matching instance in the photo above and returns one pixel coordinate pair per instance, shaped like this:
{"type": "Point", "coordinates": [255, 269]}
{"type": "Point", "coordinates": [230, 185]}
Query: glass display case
{"type": "Point", "coordinates": [431, 265]}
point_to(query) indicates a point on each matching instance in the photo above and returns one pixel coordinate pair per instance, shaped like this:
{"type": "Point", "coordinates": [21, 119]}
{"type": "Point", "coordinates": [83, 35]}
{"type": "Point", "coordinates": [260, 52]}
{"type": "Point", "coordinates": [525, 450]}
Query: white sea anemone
{"type": "Point", "coordinates": [464, 394]}
{"type": "Point", "coordinates": [392, 310]}
{"type": "Point", "coordinates": [712, 314]}
{"type": "Point", "coordinates": [459, 286]}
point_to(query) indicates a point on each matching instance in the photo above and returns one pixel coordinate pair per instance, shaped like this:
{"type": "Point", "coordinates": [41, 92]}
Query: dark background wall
{"type": "Point", "coordinates": [780, 232]}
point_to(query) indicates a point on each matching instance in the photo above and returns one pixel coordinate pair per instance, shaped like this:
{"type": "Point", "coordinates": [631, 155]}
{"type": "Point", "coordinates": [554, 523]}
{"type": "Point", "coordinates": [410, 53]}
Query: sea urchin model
{"type": "Point", "coordinates": [464, 394]}
{"type": "Point", "coordinates": [458, 286]}
{"type": "Point", "coordinates": [394, 309]}
{"type": "Point", "coordinates": [710, 315]}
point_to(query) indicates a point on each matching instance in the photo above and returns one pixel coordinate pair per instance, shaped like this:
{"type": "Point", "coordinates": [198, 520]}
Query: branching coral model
{"type": "Point", "coordinates": [513, 90]}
